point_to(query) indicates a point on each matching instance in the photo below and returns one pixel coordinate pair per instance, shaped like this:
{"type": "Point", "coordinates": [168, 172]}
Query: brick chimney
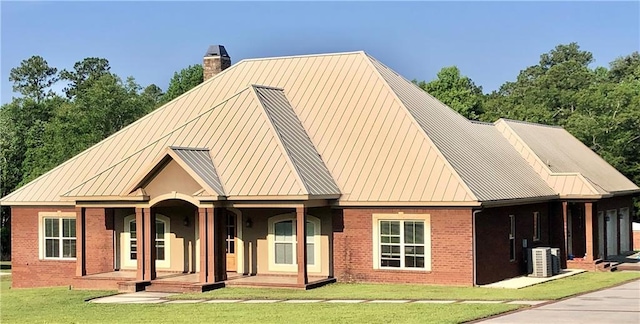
{"type": "Point", "coordinates": [215, 61]}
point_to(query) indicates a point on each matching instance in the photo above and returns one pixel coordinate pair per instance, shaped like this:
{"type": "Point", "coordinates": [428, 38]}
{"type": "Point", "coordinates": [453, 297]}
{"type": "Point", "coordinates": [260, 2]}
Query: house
{"type": "Point", "coordinates": [301, 170]}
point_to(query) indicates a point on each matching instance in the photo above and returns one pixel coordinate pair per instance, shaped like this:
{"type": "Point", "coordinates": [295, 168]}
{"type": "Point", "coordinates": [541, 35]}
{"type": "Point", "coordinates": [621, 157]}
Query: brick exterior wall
{"type": "Point", "coordinates": [493, 227]}
{"type": "Point", "coordinates": [636, 240]}
{"type": "Point", "coordinates": [99, 253]}
{"type": "Point", "coordinates": [29, 271]}
{"type": "Point", "coordinates": [451, 248]}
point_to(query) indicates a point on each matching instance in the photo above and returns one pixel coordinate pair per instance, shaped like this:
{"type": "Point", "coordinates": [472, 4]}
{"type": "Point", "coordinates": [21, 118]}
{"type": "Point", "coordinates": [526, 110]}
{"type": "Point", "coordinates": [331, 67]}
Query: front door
{"type": "Point", "coordinates": [230, 241]}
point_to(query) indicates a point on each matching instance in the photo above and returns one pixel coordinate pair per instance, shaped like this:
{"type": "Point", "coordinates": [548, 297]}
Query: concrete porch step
{"type": "Point", "coordinates": [181, 287]}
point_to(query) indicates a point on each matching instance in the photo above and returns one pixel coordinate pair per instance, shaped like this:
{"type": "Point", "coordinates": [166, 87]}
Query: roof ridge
{"type": "Point", "coordinates": [298, 56]}
{"type": "Point", "coordinates": [530, 123]}
{"type": "Point", "coordinates": [156, 141]}
{"type": "Point", "coordinates": [188, 148]}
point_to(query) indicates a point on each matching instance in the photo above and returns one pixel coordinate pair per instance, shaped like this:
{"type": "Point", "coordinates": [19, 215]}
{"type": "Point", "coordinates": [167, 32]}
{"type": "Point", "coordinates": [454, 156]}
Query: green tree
{"type": "Point", "coordinates": [84, 73]}
{"type": "Point", "coordinates": [183, 81]}
{"type": "Point", "coordinates": [456, 91]}
{"type": "Point", "coordinates": [33, 77]}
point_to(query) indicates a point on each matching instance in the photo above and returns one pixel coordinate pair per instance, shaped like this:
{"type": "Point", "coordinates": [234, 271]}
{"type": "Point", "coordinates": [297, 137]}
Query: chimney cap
{"type": "Point", "coordinates": [216, 50]}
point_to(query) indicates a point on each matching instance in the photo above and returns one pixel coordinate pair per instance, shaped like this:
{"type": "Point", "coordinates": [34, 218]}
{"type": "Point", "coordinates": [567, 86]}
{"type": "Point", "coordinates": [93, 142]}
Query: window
{"type": "Point", "coordinates": [59, 238]}
{"type": "Point", "coordinates": [401, 241]}
{"type": "Point", "coordinates": [402, 244]}
{"type": "Point", "coordinates": [282, 243]}
{"type": "Point", "coordinates": [130, 245]}
{"type": "Point", "coordinates": [512, 238]}
{"type": "Point", "coordinates": [537, 226]}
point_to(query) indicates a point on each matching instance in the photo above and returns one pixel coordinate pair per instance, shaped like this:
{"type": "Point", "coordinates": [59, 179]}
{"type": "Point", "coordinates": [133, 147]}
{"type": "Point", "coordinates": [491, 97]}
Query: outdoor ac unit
{"type": "Point", "coordinates": [541, 262]}
{"type": "Point", "coordinates": [555, 261]}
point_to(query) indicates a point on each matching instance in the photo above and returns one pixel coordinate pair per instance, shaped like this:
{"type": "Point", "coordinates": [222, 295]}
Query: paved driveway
{"type": "Point", "coordinates": [614, 305]}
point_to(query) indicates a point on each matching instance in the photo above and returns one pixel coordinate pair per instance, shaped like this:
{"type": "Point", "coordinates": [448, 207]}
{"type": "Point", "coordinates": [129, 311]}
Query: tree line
{"type": "Point", "coordinates": [43, 128]}
{"type": "Point", "coordinates": [600, 106]}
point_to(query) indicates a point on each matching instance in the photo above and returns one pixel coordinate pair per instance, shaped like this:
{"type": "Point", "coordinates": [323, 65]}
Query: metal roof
{"type": "Point", "coordinates": [562, 153]}
{"type": "Point", "coordinates": [485, 161]}
{"type": "Point", "coordinates": [338, 123]}
{"type": "Point", "coordinates": [199, 160]}
{"type": "Point", "coordinates": [304, 157]}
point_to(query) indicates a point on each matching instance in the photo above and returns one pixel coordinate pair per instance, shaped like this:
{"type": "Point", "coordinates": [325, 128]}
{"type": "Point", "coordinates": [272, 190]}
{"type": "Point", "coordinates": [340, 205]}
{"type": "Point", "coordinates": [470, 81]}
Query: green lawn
{"type": "Point", "coordinates": [555, 289]}
{"type": "Point", "coordinates": [60, 305]}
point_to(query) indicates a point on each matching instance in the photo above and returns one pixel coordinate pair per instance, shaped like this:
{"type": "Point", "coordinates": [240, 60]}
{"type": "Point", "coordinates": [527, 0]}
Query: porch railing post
{"type": "Point", "coordinates": [81, 268]}
{"type": "Point", "coordinates": [140, 245]}
{"type": "Point", "coordinates": [211, 250]}
{"type": "Point", "coordinates": [202, 234]}
{"type": "Point", "coordinates": [301, 246]}
{"type": "Point", "coordinates": [588, 228]}
{"type": "Point", "coordinates": [566, 233]}
{"type": "Point", "coordinates": [149, 244]}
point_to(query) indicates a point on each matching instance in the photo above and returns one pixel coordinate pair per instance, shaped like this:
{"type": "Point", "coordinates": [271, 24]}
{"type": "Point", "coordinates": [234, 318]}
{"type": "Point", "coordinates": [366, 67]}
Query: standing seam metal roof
{"type": "Point", "coordinates": [199, 160]}
{"type": "Point", "coordinates": [483, 158]}
{"type": "Point", "coordinates": [312, 170]}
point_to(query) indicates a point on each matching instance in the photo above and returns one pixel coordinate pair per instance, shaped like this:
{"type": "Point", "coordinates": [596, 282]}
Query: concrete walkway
{"type": "Point", "coordinates": [619, 304]}
{"type": "Point", "coordinates": [525, 281]}
{"type": "Point", "coordinates": [144, 297]}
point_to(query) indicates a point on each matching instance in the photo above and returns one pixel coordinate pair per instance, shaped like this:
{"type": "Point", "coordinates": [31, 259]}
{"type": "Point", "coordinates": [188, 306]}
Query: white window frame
{"type": "Point", "coordinates": [317, 262]}
{"type": "Point", "coordinates": [402, 217]}
{"type": "Point", "coordinates": [129, 263]}
{"type": "Point", "coordinates": [537, 227]}
{"type": "Point", "coordinates": [59, 215]}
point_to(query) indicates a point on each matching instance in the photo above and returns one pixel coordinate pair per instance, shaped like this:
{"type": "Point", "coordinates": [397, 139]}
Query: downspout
{"type": "Point", "coordinates": [474, 238]}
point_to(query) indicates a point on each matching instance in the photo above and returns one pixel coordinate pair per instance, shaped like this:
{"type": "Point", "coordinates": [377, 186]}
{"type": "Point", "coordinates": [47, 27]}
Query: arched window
{"type": "Point", "coordinates": [130, 244]}
{"type": "Point", "coordinates": [282, 243]}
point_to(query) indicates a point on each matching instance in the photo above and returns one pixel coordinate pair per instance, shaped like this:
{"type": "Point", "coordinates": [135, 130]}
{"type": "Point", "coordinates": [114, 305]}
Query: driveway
{"type": "Point", "coordinates": [620, 304]}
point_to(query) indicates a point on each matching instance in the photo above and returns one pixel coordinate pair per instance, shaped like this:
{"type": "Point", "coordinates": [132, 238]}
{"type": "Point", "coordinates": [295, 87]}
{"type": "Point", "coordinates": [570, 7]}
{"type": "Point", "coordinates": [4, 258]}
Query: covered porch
{"type": "Point", "coordinates": [202, 248]}
{"type": "Point", "coordinates": [596, 233]}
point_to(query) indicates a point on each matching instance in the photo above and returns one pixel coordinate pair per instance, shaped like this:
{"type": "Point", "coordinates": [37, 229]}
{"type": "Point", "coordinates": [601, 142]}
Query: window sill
{"type": "Point", "coordinates": [412, 270]}
{"type": "Point", "coordinates": [66, 260]}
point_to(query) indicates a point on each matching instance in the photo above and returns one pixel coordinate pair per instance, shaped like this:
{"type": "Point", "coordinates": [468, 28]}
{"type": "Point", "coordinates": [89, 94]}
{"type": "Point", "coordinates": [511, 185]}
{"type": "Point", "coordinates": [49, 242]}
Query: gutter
{"type": "Point", "coordinates": [474, 250]}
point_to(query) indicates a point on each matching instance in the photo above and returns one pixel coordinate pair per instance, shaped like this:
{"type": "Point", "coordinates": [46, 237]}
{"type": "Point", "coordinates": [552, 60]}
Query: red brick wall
{"type": "Point", "coordinates": [451, 248]}
{"type": "Point", "coordinates": [29, 271]}
{"type": "Point", "coordinates": [636, 240]}
{"type": "Point", "coordinates": [99, 240]}
{"type": "Point", "coordinates": [492, 227]}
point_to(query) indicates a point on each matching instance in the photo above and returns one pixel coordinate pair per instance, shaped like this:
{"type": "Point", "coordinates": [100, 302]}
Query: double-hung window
{"type": "Point", "coordinates": [282, 240]}
{"type": "Point", "coordinates": [59, 238]}
{"type": "Point", "coordinates": [402, 244]}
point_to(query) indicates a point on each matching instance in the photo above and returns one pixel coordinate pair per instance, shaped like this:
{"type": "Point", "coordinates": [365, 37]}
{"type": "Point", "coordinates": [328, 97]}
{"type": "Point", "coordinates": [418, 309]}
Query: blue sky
{"type": "Point", "coordinates": [489, 41]}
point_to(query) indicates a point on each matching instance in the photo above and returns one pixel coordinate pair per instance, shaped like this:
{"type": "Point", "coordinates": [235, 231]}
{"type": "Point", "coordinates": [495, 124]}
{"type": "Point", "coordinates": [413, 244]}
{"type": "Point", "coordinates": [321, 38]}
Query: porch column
{"type": "Point", "coordinates": [202, 234]}
{"type": "Point", "coordinates": [566, 233]}
{"type": "Point", "coordinates": [81, 268]}
{"type": "Point", "coordinates": [149, 238]}
{"type": "Point", "coordinates": [588, 228]}
{"type": "Point", "coordinates": [140, 245]}
{"type": "Point", "coordinates": [301, 246]}
{"type": "Point", "coordinates": [211, 245]}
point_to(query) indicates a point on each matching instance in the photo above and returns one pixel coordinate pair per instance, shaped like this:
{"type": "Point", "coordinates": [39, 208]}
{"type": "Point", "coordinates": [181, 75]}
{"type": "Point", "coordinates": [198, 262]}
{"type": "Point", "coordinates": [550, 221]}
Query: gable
{"type": "Point", "coordinates": [569, 166]}
{"type": "Point", "coordinates": [171, 177]}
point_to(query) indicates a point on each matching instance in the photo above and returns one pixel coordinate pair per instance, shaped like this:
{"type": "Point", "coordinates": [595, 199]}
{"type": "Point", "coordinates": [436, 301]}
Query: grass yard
{"type": "Point", "coordinates": [555, 289]}
{"type": "Point", "coordinates": [60, 305]}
